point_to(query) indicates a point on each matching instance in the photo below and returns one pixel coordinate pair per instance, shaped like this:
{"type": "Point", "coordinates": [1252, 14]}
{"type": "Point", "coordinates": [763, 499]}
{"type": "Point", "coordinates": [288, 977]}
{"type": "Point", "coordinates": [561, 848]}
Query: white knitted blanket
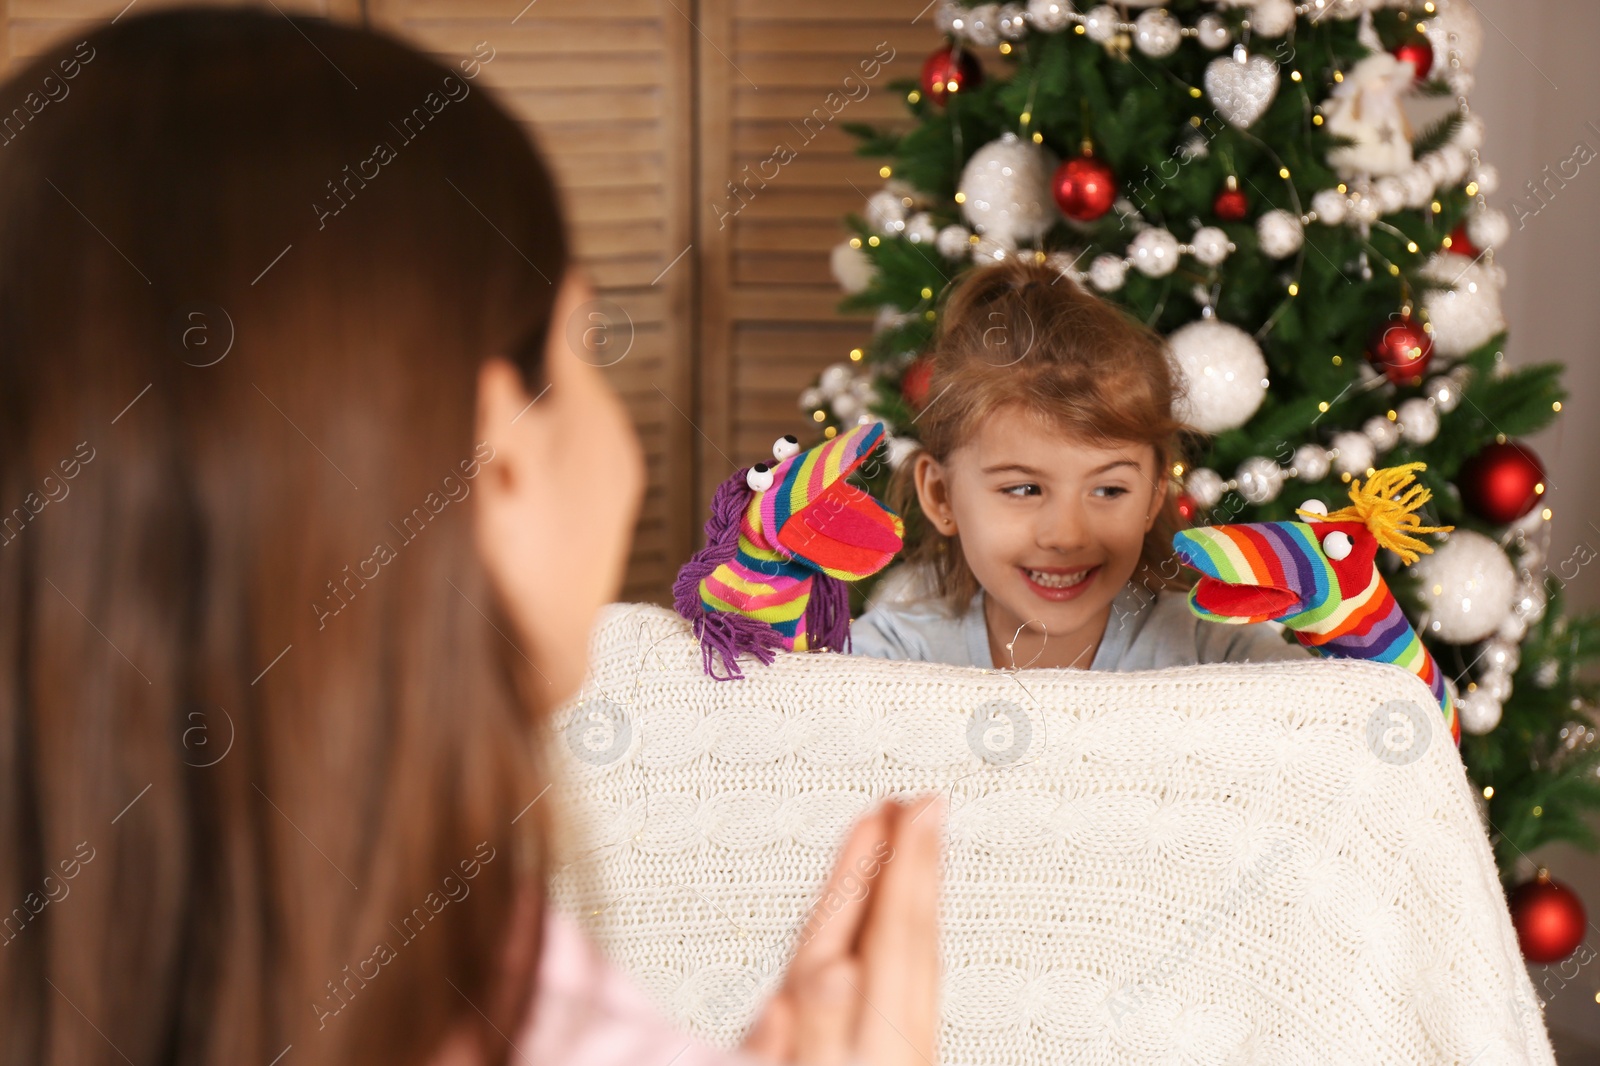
{"type": "Point", "coordinates": [1240, 864]}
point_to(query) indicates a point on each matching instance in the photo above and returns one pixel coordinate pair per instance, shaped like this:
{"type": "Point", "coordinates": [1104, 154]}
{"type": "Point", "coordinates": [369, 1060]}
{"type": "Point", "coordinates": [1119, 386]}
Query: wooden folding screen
{"type": "Point", "coordinates": [648, 109]}
{"type": "Point", "coordinates": [777, 175]}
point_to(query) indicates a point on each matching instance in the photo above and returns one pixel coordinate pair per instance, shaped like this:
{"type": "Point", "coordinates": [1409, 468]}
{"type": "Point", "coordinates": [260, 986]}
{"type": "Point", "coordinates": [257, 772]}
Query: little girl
{"type": "Point", "coordinates": [1041, 534]}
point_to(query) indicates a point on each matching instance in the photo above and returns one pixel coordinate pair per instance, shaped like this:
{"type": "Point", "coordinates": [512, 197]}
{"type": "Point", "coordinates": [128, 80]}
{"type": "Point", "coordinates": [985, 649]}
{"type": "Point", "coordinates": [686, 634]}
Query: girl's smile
{"type": "Point", "coordinates": [1059, 583]}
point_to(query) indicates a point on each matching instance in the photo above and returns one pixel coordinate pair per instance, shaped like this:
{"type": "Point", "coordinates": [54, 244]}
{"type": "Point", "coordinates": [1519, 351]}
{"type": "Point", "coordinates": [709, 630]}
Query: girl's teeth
{"type": "Point", "coordinates": [1059, 581]}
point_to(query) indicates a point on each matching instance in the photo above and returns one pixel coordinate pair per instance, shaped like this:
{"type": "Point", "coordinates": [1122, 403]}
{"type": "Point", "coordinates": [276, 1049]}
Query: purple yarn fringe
{"type": "Point", "coordinates": [720, 632]}
{"type": "Point", "coordinates": [828, 614]}
{"type": "Point", "coordinates": [728, 635]}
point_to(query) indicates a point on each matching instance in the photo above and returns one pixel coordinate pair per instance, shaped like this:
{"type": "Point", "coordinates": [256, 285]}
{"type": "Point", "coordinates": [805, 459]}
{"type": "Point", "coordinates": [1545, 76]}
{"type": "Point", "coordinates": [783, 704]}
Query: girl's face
{"type": "Point", "coordinates": [1052, 526]}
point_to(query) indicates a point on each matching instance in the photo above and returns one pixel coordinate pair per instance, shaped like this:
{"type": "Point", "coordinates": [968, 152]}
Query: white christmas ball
{"type": "Point", "coordinates": [1465, 588]}
{"type": "Point", "coordinates": [1530, 602]}
{"type": "Point", "coordinates": [1272, 18]}
{"type": "Point", "coordinates": [1366, 208]}
{"type": "Point", "coordinates": [1514, 628]}
{"type": "Point", "coordinates": [1013, 22]}
{"type": "Point", "coordinates": [983, 25]}
{"type": "Point", "coordinates": [946, 16]}
{"type": "Point", "coordinates": [1065, 263]}
{"type": "Point", "coordinates": [1489, 228]}
{"type": "Point", "coordinates": [886, 212]}
{"type": "Point", "coordinates": [988, 251]}
{"type": "Point", "coordinates": [1330, 206]}
{"type": "Point", "coordinates": [953, 242]}
{"type": "Point", "coordinates": [1007, 187]}
{"type": "Point", "coordinates": [1280, 234]}
{"type": "Point", "coordinates": [1496, 685]}
{"type": "Point", "coordinates": [834, 379]}
{"type": "Point", "coordinates": [1419, 421]}
{"type": "Point", "coordinates": [1418, 186]}
{"type": "Point", "coordinates": [1222, 372]}
{"type": "Point", "coordinates": [1048, 15]}
{"type": "Point", "coordinates": [1355, 453]}
{"type": "Point", "coordinates": [1108, 272]}
{"type": "Point", "coordinates": [889, 317]}
{"type": "Point", "coordinates": [1501, 655]}
{"type": "Point", "coordinates": [1456, 35]}
{"type": "Point", "coordinates": [1157, 33]}
{"type": "Point", "coordinates": [1154, 252]}
{"type": "Point", "coordinates": [1383, 433]}
{"type": "Point", "coordinates": [1311, 462]}
{"type": "Point", "coordinates": [1389, 193]}
{"type": "Point", "coordinates": [1100, 24]}
{"type": "Point", "coordinates": [811, 398]}
{"type": "Point", "coordinates": [1211, 245]}
{"type": "Point", "coordinates": [1260, 479]}
{"type": "Point", "coordinates": [846, 406]}
{"type": "Point", "coordinates": [1477, 713]}
{"type": "Point", "coordinates": [1488, 179]}
{"type": "Point", "coordinates": [1456, 163]}
{"type": "Point", "coordinates": [1445, 393]}
{"type": "Point", "coordinates": [1212, 31]}
{"type": "Point", "coordinates": [851, 268]}
{"type": "Point", "coordinates": [1469, 134]}
{"type": "Point", "coordinates": [920, 228]}
{"type": "Point", "coordinates": [1205, 487]}
{"type": "Point", "coordinates": [1467, 314]}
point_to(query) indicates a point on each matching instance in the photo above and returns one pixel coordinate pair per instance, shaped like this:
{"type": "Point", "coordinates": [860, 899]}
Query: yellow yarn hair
{"type": "Point", "coordinates": [1387, 506]}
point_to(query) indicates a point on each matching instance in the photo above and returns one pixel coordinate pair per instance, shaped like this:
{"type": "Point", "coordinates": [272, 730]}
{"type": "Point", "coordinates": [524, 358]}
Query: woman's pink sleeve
{"type": "Point", "coordinates": [587, 1012]}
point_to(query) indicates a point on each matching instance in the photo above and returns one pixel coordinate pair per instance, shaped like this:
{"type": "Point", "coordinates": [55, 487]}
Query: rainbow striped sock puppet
{"type": "Point", "coordinates": [1320, 577]}
{"type": "Point", "coordinates": [781, 542]}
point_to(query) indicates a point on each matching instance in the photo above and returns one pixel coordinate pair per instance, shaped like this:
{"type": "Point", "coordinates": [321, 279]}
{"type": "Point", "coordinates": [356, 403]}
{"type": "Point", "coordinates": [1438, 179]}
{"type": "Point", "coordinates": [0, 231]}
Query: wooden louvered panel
{"type": "Point", "coordinates": [768, 318]}
{"type": "Point", "coordinates": [605, 88]}
{"type": "Point", "coordinates": [28, 27]}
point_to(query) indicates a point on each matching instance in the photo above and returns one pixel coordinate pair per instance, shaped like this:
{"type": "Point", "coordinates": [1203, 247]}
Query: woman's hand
{"type": "Point", "coordinates": [864, 983]}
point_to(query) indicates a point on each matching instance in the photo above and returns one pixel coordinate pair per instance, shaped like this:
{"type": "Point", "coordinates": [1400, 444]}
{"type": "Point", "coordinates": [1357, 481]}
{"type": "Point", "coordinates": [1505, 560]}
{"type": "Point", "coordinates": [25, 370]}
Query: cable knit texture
{"type": "Point", "coordinates": [1266, 863]}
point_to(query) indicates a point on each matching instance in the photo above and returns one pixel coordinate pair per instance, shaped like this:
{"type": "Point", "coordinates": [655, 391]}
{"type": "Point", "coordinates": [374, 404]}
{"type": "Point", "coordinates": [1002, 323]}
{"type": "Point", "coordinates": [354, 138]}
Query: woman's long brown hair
{"type": "Point", "coordinates": [260, 745]}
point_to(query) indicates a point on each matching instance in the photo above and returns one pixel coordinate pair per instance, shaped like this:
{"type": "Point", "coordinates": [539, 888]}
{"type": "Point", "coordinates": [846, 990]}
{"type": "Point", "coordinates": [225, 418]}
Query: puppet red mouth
{"type": "Point", "coordinates": [1242, 601]}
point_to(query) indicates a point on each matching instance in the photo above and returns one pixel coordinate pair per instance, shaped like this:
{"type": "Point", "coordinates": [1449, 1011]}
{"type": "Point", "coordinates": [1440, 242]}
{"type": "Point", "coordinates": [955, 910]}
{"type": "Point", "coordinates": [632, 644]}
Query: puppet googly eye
{"type": "Point", "coordinates": [759, 477]}
{"type": "Point", "coordinates": [785, 447]}
{"type": "Point", "coordinates": [1315, 505]}
{"type": "Point", "coordinates": [1337, 545]}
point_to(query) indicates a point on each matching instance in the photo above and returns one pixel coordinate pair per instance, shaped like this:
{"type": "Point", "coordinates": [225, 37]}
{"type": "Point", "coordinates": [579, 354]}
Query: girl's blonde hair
{"type": "Point", "coordinates": [1019, 335]}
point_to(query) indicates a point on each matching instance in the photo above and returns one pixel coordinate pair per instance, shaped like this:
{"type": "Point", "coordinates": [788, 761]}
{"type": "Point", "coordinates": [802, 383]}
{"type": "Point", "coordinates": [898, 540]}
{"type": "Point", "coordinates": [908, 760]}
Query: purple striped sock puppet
{"type": "Point", "coordinates": [781, 542]}
{"type": "Point", "coordinates": [1319, 577]}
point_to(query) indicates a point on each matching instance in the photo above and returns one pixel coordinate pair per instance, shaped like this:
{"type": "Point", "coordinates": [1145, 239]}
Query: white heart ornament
{"type": "Point", "coordinates": [1242, 89]}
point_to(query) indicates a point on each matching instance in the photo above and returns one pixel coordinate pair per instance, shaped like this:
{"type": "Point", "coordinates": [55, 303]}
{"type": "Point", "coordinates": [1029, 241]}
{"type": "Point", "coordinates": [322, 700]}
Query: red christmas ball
{"type": "Point", "coordinates": [1231, 205]}
{"type": "Point", "coordinates": [914, 383]}
{"type": "Point", "coordinates": [1084, 188]}
{"type": "Point", "coordinates": [1419, 53]}
{"type": "Point", "coordinates": [1501, 483]}
{"type": "Point", "coordinates": [1461, 244]}
{"type": "Point", "coordinates": [1548, 917]}
{"type": "Point", "coordinates": [1401, 348]}
{"type": "Point", "coordinates": [949, 71]}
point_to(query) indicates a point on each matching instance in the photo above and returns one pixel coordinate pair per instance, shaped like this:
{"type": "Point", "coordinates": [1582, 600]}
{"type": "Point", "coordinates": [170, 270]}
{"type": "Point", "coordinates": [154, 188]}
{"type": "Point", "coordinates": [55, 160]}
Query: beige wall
{"type": "Point", "coordinates": [1538, 92]}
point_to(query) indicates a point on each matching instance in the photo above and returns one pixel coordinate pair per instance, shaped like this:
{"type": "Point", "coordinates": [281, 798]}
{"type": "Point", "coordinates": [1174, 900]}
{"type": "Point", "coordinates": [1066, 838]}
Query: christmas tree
{"type": "Point", "coordinates": [1293, 196]}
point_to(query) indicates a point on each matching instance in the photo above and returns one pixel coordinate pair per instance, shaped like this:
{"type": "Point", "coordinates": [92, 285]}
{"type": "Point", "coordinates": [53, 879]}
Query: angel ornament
{"type": "Point", "coordinates": [1365, 110]}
